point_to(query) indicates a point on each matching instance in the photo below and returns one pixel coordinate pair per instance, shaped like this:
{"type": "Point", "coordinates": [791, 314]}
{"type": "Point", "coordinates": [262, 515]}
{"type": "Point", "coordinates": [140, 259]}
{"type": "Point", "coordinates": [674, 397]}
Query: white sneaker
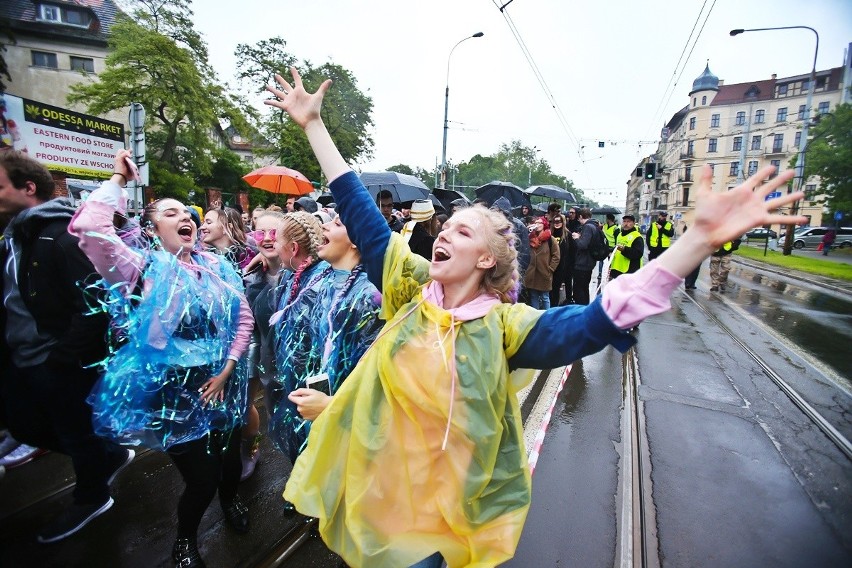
{"type": "Point", "coordinates": [21, 455]}
{"type": "Point", "coordinates": [8, 444]}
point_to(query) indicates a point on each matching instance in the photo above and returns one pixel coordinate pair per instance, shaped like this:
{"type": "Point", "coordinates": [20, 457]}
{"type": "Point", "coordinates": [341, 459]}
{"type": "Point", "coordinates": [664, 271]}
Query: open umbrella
{"type": "Point", "coordinates": [403, 187]}
{"type": "Point", "coordinates": [551, 191]}
{"type": "Point", "coordinates": [325, 198]}
{"type": "Point", "coordinates": [604, 210]}
{"type": "Point", "coordinates": [447, 196]}
{"type": "Point", "coordinates": [490, 192]}
{"type": "Point", "coordinates": [278, 179]}
{"type": "Point", "coordinates": [439, 207]}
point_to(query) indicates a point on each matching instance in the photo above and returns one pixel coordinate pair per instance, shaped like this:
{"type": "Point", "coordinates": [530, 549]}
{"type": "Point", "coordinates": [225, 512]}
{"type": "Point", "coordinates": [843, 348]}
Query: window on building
{"type": "Point", "coordinates": [711, 144]}
{"type": "Point", "coordinates": [752, 167]}
{"type": "Point", "coordinates": [690, 148]}
{"type": "Point", "coordinates": [810, 192]}
{"type": "Point", "coordinates": [781, 116]}
{"type": "Point", "coordinates": [735, 169]}
{"type": "Point", "coordinates": [798, 139]}
{"type": "Point", "coordinates": [759, 116]}
{"type": "Point", "coordinates": [740, 118]}
{"type": "Point", "coordinates": [714, 121]}
{"type": "Point", "coordinates": [86, 64]}
{"type": "Point", "coordinates": [704, 100]}
{"type": "Point", "coordinates": [687, 173]}
{"type": "Point", "coordinates": [685, 202]}
{"type": "Point", "coordinates": [805, 86]}
{"type": "Point", "coordinates": [777, 164]}
{"type": "Point", "coordinates": [755, 142]}
{"type": "Point", "coordinates": [823, 107]}
{"type": "Point", "coordinates": [738, 143]}
{"type": "Point", "coordinates": [801, 112]}
{"type": "Point", "coordinates": [692, 123]}
{"type": "Point", "coordinates": [782, 90]}
{"type": "Point", "coordinates": [820, 84]}
{"type": "Point", "coordinates": [69, 15]}
{"type": "Point", "coordinates": [44, 59]}
{"type": "Point", "coordinates": [777, 142]}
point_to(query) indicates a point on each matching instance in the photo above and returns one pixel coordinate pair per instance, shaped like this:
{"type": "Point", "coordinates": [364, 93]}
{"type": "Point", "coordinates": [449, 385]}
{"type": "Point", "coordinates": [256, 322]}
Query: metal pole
{"type": "Point", "coordinates": [803, 142]}
{"type": "Point", "coordinates": [446, 108]}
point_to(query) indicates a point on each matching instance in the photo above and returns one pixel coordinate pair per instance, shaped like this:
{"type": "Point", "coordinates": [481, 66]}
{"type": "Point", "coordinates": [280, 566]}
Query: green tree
{"type": "Point", "coordinates": [829, 156]}
{"type": "Point", "coordinates": [346, 111]}
{"type": "Point", "coordinates": [158, 59]}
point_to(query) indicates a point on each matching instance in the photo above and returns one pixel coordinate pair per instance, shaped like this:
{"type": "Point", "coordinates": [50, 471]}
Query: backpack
{"type": "Point", "coordinates": [598, 247]}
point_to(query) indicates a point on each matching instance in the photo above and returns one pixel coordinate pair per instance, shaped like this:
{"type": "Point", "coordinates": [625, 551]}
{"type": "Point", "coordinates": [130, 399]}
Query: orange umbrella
{"type": "Point", "coordinates": [278, 179]}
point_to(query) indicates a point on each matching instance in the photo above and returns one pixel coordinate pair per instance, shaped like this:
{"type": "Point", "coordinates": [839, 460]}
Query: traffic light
{"type": "Point", "coordinates": [650, 171]}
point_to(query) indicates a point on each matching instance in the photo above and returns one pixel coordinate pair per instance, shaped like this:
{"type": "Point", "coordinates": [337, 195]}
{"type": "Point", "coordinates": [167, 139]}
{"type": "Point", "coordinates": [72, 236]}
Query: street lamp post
{"type": "Point", "coordinates": [803, 143]}
{"type": "Point", "coordinates": [446, 107]}
{"type": "Point", "coordinates": [529, 177]}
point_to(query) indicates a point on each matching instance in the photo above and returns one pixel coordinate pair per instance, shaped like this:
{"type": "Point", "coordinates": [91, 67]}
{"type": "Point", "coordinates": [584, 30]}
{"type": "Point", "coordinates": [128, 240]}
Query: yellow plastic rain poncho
{"type": "Point", "coordinates": [374, 471]}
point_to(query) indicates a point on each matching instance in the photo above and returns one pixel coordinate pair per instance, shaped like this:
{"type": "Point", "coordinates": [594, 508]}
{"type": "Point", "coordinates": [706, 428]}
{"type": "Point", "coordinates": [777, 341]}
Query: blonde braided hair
{"type": "Point", "coordinates": [303, 228]}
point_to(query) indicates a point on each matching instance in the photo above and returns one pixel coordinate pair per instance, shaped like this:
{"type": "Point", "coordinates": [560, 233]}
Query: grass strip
{"type": "Point", "coordinates": [810, 265]}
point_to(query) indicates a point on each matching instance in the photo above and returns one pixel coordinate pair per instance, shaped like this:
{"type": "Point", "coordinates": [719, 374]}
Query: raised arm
{"type": "Point", "coordinates": [93, 224]}
{"type": "Point", "coordinates": [725, 216]}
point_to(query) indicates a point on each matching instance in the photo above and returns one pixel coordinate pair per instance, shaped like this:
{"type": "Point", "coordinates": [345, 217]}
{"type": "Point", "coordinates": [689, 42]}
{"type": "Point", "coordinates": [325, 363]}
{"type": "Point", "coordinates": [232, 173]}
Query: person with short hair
{"type": "Point", "coordinates": [50, 342]}
{"type": "Point", "coordinates": [583, 263]}
{"type": "Point", "coordinates": [384, 201]}
{"type": "Point", "coordinates": [629, 249]}
{"type": "Point", "coordinates": [660, 236]}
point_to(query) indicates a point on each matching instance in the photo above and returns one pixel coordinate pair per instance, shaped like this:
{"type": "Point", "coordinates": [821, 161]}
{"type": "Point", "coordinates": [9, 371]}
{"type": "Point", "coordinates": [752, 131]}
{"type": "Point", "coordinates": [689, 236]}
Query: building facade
{"type": "Point", "coordinates": [738, 129]}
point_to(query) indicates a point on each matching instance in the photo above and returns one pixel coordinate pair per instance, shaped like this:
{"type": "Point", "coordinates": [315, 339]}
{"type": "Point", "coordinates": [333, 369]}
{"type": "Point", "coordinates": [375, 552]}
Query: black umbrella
{"type": "Point", "coordinates": [551, 191]}
{"type": "Point", "coordinates": [492, 191]}
{"type": "Point", "coordinates": [604, 210]}
{"type": "Point", "coordinates": [447, 196]}
{"type": "Point", "coordinates": [439, 207]}
{"type": "Point", "coordinates": [325, 198]}
{"type": "Point", "coordinates": [403, 187]}
{"type": "Point", "coordinates": [535, 211]}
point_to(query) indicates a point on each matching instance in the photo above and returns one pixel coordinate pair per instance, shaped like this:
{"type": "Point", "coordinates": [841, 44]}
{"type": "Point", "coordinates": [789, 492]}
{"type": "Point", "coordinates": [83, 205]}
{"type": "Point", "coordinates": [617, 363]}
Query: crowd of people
{"type": "Point", "coordinates": [390, 348]}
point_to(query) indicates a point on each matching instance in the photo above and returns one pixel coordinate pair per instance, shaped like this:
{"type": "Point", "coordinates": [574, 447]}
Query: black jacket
{"type": "Point", "coordinates": [52, 275]}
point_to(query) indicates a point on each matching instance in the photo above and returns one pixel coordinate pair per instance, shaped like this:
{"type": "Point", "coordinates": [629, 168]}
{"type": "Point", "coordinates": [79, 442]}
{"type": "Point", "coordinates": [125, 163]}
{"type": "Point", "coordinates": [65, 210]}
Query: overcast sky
{"type": "Point", "coordinates": [607, 64]}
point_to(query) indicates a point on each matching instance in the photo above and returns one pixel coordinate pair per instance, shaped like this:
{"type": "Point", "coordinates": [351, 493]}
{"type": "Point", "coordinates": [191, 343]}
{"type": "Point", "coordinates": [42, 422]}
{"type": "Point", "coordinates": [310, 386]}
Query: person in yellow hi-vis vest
{"type": "Point", "coordinates": [629, 248]}
{"type": "Point", "coordinates": [660, 236]}
{"type": "Point", "coordinates": [610, 230]}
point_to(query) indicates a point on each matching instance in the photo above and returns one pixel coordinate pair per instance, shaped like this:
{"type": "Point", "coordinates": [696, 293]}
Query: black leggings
{"type": "Point", "coordinates": [207, 464]}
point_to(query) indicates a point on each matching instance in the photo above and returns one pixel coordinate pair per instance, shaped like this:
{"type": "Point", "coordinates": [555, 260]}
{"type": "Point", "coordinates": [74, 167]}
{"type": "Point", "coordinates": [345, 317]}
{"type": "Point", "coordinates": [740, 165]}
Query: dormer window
{"type": "Point", "coordinates": [68, 15]}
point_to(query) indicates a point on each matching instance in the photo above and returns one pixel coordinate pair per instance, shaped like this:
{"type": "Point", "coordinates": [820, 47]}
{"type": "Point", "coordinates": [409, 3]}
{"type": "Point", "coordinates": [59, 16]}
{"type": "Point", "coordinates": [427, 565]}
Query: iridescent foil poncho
{"type": "Point", "coordinates": [179, 322]}
{"type": "Point", "coordinates": [325, 328]}
{"type": "Point", "coordinates": [421, 449]}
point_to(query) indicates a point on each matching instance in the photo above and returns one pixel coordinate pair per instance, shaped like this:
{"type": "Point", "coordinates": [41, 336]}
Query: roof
{"type": "Point", "coordinates": [677, 118]}
{"type": "Point", "coordinates": [22, 17]}
{"type": "Point", "coordinates": [765, 90]}
{"type": "Point", "coordinates": [707, 81]}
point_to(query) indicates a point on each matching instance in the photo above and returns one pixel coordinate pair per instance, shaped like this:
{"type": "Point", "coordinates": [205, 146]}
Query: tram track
{"type": "Point", "coordinates": [824, 425]}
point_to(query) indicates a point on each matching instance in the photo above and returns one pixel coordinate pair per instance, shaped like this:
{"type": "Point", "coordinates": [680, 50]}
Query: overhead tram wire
{"type": "Point", "coordinates": [670, 86]}
{"type": "Point", "coordinates": [541, 81]}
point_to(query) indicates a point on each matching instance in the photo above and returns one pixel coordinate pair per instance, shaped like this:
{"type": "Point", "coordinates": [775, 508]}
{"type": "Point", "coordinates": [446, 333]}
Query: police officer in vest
{"type": "Point", "coordinates": [629, 248]}
{"type": "Point", "coordinates": [610, 231]}
{"type": "Point", "coordinates": [660, 236]}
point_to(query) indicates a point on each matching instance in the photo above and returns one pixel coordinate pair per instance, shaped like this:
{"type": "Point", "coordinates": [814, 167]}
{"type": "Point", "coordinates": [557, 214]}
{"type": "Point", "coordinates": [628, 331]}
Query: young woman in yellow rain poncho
{"type": "Point", "coordinates": [419, 458]}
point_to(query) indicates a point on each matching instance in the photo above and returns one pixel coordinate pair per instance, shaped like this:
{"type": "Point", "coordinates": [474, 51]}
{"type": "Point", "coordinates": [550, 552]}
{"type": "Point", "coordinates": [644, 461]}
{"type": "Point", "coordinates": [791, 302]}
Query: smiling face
{"type": "Point", "coordinates": [172, 225]}
{"type": "Point", "coordinates": [268, 226]}
{"type": "Point", "coordinates": [212, 230]}
{"type": "Point", "coordinates": [460, 253]}
{"type": "Point", "coordinates": [336, 247]}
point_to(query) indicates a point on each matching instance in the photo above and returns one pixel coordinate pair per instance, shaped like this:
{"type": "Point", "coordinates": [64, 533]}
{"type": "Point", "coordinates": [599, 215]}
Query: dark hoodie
{"type": "Point", "coordinates": [520, 231]}
{"type": "Point", "coordinates": [44, 315]}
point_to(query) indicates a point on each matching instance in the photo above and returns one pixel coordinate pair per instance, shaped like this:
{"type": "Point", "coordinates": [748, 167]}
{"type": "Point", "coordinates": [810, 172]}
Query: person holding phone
{"type": "Point", "coordinates": [327, 318]}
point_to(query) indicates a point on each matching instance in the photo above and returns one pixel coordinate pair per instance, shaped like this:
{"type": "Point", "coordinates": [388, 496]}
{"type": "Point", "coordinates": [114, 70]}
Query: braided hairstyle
{"type": "Point", "coordinates": [304, 229]}
{"type": "Point", "coordinates": [503, 278]}
{"type": "Point", "coordinates": [350, 281]}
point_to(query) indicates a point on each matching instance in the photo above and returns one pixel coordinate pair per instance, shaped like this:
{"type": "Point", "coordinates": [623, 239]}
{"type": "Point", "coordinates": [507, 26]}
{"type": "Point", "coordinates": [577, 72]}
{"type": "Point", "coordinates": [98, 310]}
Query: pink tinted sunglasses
{"type": "Point", "coordinates": [260, 235]}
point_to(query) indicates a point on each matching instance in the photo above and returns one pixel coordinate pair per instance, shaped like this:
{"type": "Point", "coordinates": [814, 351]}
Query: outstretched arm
{"type": "Point", "coordinates": [723, 217]}
{"type": "Point", "coordinates": [304, 109]}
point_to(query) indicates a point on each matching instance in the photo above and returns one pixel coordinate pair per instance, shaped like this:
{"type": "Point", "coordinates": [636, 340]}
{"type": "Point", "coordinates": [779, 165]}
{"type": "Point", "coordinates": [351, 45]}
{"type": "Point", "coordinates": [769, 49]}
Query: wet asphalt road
{"type": "Point", "coordinates": [740, 476]}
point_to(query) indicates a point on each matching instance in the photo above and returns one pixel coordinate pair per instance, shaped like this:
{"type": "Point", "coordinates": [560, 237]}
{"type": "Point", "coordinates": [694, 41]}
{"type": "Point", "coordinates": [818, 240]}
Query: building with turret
{"type": "Point", "coordinates": [736, 130]}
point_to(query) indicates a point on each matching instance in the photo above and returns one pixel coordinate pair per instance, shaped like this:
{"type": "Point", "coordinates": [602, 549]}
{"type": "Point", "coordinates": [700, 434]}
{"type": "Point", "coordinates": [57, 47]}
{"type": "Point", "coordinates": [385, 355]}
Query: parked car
{"type": "Point", "coordinates": [811, 237]}
{"type": "Point", "coordinates": [761, 233]}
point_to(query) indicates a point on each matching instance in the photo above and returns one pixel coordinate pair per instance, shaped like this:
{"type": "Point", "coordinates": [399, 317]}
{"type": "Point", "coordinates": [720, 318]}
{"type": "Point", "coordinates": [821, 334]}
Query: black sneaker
{"type": "Point", "coordinates": [121, 461]}
{"type": "Point", "coordinates": [185, 554]}
{"type": "Point", "coordinates": [71, 520]}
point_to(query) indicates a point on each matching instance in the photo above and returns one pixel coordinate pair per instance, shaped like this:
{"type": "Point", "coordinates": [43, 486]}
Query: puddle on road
{"type": "Point", "coordinates": [817, 322]}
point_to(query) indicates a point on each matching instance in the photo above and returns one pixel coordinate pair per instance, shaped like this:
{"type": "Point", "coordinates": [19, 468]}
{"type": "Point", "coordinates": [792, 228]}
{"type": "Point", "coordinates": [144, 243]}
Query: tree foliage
{"type": "Point", "coordinates": [346, 111]}
{"type": "Point", "coordinates": [158, 59]}
{"type": "Point", "coordinates": [829, 155]}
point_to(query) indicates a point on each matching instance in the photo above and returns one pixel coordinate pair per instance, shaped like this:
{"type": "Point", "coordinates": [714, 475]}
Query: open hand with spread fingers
{"type": "Point", "coordinates": [302, 106]}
